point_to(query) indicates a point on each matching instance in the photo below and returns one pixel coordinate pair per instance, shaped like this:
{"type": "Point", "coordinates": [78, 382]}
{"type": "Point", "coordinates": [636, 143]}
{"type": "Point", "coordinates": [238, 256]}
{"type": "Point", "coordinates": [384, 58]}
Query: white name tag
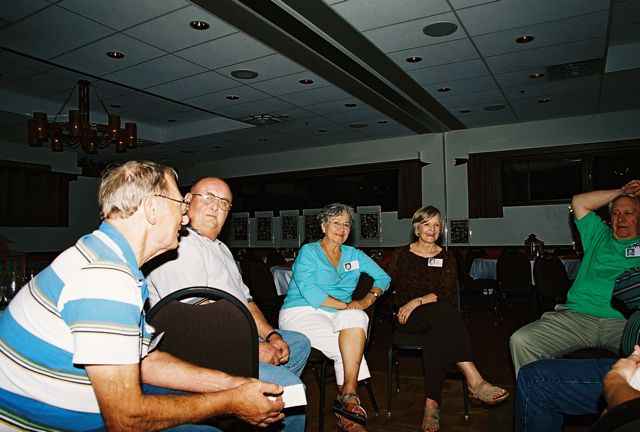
{"type": "Point", "coordinates": [631, 252]}
{"type": "Point", "coordinates": [351, 265]}
{"type": "Point", "coordinates": [435, 262]}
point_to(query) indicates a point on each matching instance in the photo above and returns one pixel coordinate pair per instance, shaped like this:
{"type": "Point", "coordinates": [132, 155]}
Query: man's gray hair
{"type": "Point", "coordinates": [624, 195]}
{"type": "Point", "coordinates": [335, 209]}
{"type": "Point", "coordinates": [123, 187]}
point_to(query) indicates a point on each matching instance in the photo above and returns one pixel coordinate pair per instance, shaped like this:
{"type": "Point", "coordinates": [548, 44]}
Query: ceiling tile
{"type": "Point", "coordinates": [435, 55]}
{"type": "Point", "coordinates": [156, 71]}
{"type": "Point", "coordinates": [51, 32]}
{"type": "Point", "coordinates": [93, 60]}
{"type": "Point", "coordinates": [368, 14]}
{"type": "Point", "coordinates": [13, 10]}
{"type": "Point", "coordinates": [120, 14]}
{"type": "Point", "coordinates": [228, 50]}
{"type": "Point", "coordinates": [315, 96]}
{"type": "Point", "coordinates": [194, 85]}
{"type": "Point", "coordinates": [175, 32]}
{"type": "Point", "coordinates": [268, 67]}
{"type": "Point", "coordinates": [290, 83]}
{"type": "Point", "coordinates": [212, 101]}
{"type": "Point", "coordinates": [454, 71]}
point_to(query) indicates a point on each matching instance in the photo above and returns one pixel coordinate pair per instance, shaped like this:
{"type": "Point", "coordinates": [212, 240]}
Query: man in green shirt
{"type": "Point", "coordinates": [588, 319]}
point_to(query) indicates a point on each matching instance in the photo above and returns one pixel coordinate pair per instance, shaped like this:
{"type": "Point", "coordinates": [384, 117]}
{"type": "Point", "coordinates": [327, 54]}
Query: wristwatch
{"type": "Point", "coordinates": [375, 294]}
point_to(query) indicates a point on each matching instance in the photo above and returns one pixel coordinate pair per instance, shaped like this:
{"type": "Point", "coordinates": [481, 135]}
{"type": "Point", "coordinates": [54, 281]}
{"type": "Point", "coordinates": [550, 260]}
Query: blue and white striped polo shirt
{"type": "Point", "coordinates": [85, 308]}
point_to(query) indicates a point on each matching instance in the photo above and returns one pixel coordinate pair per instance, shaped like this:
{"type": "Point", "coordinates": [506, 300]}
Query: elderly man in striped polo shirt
{"type": "Point", "coordinates": [74, 345]}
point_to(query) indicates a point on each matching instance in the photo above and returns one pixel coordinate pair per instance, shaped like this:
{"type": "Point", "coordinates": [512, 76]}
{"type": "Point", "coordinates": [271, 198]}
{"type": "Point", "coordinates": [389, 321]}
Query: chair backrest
{"type": "Point", "coordinates": [460, 268]}
{"type": "Point", "coordinates": [513, 270]}
{"type": "Point", "coordinates": [471, 256]}
{"type": "Point", "coordinates": [564, 250]}
{"type": "Point", "coordinates": [219, 335]}
{"type": "Point", "coordinates": [550, 278]}
{"type": "Point", "coordinates": [623, 418]}
{"type": "Point", "coordinates": [262, 285]}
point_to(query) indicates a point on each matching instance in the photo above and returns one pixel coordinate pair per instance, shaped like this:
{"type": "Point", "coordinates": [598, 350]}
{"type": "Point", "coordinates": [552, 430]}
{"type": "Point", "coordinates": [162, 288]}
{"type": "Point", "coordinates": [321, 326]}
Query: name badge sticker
{"type": "Point", "coordinates": [435, 262]}
{"type": "Point", "coordinates": [351, 265]}
{"type": "Point", "coordinates": [632, 252]}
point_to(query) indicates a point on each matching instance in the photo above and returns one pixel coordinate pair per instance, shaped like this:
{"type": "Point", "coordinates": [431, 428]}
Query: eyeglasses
{"type": "Point", "coordinates": [210, 198]}
{"type": "Point", "coordinates": [184, 206]}
{"type": "Point", "coordinates": [336, 224]}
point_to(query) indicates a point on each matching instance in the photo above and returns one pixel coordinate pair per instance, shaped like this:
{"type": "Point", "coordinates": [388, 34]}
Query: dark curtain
{"type": "Point", "coordinates": [409, 188]}
{"type": "Point", "coordinates": [31, 195]}
{"type": "Point", "coordinates": [484, 177]}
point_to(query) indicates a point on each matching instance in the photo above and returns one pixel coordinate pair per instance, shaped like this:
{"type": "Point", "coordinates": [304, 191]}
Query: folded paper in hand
{"type": "Point", "coordinates": [293, 395]}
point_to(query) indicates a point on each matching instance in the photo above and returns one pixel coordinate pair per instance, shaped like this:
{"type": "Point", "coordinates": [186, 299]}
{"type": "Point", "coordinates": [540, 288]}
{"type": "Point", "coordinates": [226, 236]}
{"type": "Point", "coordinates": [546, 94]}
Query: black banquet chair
{"type": "Point", "coordinates": [551, 282]}
{"type": "Point", "coordinates": [263, 291]}
{"type": "Point", "coordinates": [623, 418]}
{"type": "Point", "coordinates": [403, 342]}
{"type": "Point", "coordinates": [513, 272]}
{"type": "Point", "coordinates": [320, 363]}
{"type": "Point", "coordinates": [191, 331]}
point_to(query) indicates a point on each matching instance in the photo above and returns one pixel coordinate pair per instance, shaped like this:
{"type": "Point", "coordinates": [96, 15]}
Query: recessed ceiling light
{"type": "Point", "coordinates": [496, 107]}
{"type": "Point", "coordinates": [536, 75]}
{"type": "Point", "coordinates": [350, 105]}
{"type": "Point", "coordinates": [114, 54]}
{"type": "Point", "coordinates": [322, 130]}
{"type": "Point", "coordinates": [283, 116]}
{"type": "Point", "coordinates": [545, 100]}
{"type": "Point", "coordinates": [464, 111]}
{"type": "Point", "coordinates": [440, 29]}
{"type": "Point", "coordinates": [381, 121]}
{"type": "Point", "coordinates": [358, 125]}
{"type": "Point", "coordinates": [233, 97]}
{"type": "Point", "coordinates": [262, 139]}
{"type": "Point", "coordinates": [525, 39]}
{"type": "Point", "coordinates": [244, 74]}
{"type": "Point", "coordinates": [444, 89]}
{"type": "Point", "coordinates": [215, 147]}
{"type": "Point", "coordinates": [115, 106]}
{"type": "Point", "coordinates": [306, 81]}
{"type": "Point", "coordinates": [199, 25]}
{"type": "Point", "coordinates": [171, 121]}
{"type": "Point", "coordinates": [413, 59]}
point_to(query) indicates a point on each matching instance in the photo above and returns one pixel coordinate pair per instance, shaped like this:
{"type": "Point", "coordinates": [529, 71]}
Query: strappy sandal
{"type": "Point", "coordinates": [431, 419]}
{"type": "Point", "coordinates": [485, 393]}
{"type": "Point", "coordinates": [348, 405]}
{"type": "Point", "coordinates": [345, 425]}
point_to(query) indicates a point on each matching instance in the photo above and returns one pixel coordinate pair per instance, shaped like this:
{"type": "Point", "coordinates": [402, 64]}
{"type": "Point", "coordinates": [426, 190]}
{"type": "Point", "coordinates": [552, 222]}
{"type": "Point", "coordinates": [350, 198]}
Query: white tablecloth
{"type": "Point", "coordinates": [282, 276]}
{"type": "Point", "coordinates": [484, 268]}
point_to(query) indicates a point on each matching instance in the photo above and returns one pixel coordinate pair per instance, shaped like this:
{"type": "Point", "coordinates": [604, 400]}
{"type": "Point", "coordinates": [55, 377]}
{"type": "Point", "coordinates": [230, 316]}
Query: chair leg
{"type": "Point", "coordinates": [321, 409]}
{"type": "Point", "coordinates": [465, 395]}
{"type": "Point", "coordinates": [390, 379]}
{"type": "Point", "coordinates": [372, 397]}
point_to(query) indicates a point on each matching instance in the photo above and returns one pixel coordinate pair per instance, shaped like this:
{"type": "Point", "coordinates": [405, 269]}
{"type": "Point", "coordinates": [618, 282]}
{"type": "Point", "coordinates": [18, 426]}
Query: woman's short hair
{"type": "Point", "coordinates": [123, 187]}
{"type": "Point", "coordinates": [335, 209]}
{"type": "Point", "coordinates": [423, 214]}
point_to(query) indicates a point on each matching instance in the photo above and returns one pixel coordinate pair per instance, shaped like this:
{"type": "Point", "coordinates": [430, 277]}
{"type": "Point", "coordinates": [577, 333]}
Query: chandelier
{"type": "Point", "coordinates": [78, 131]}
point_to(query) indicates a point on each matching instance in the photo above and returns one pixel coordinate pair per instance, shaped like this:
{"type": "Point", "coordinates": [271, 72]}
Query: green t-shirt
{"type": "Point", "coordinates": [604, 260]}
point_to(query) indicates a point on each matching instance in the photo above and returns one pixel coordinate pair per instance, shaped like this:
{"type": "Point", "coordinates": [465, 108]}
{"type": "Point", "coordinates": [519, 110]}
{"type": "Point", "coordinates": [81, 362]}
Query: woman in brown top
{"type": "Point", "coordinates": [424, 279]}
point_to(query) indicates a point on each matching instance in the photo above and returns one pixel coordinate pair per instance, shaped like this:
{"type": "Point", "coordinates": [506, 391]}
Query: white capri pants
{"type": "Point", "coordinates": [322, 328]}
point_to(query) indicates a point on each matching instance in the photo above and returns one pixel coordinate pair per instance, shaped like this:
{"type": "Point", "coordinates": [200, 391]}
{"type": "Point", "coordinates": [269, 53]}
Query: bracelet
{"type": "Point", "coordinates": [419, 300]}
{"type": "Point", "coordinates": [271, 333]}
{"type": "Point", "coordinates": [375, 294]}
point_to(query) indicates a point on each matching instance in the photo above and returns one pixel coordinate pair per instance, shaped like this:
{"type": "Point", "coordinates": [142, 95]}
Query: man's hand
{"type": "Point", "coordinates": [633, 187]}
{"type": "Point", "coordinates": [251, 403]}
{"type": "Point", "coordinates": [281, 346]}
{"type": "Point", "coordinates": [626, 367]}
{"type": "Point", "coordinates": [617, 387]}
{"type": "Point", "coordinates": [268, 353]}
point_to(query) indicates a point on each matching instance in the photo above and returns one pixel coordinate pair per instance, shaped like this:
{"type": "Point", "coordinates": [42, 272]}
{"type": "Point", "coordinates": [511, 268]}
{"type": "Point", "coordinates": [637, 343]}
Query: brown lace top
{"type": "Point", "coordinates": [412, 277]}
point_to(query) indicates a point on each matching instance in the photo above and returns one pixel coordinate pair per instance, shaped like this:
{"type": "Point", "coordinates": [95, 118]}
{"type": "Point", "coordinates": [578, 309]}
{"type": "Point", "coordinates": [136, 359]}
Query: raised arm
{"type": "Point", "coordinates": [124, 406]}
{"type": "Point", "coordinates": [590, 201]}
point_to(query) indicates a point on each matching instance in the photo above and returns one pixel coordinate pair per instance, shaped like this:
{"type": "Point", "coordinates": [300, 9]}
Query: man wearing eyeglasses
{"type": "Point", "coordinates": [75, 351]}
{"type": "Point", "coordinates": [203, 260]}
